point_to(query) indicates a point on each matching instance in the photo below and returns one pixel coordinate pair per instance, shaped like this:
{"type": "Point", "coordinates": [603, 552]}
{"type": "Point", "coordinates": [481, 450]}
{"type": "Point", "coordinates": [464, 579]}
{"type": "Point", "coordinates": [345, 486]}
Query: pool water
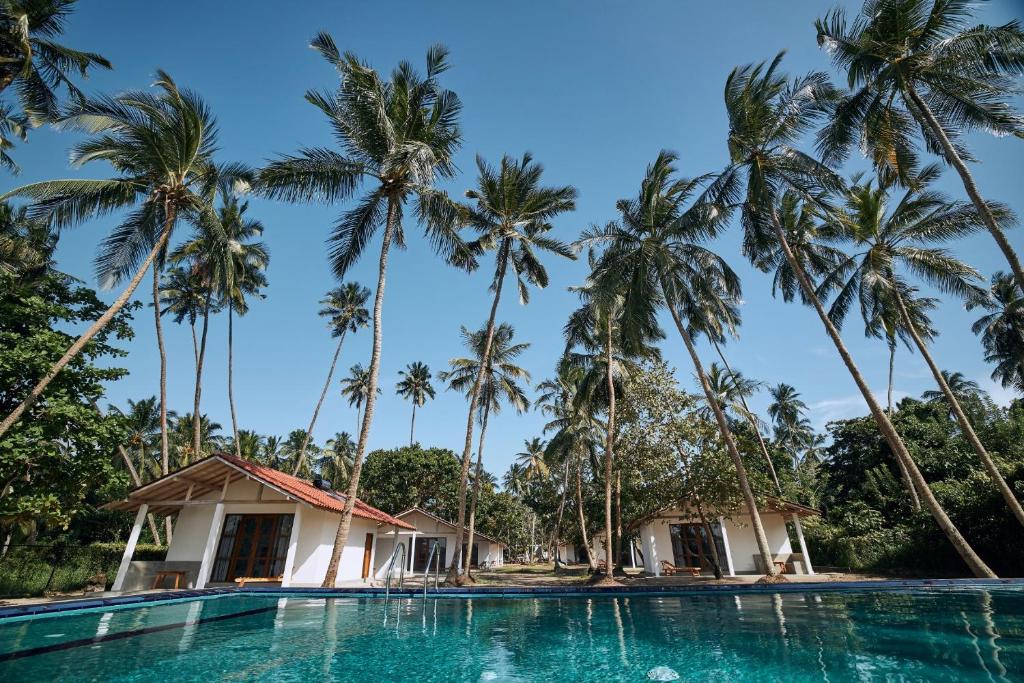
{"type": "Point", "coordinates": [961, 634]}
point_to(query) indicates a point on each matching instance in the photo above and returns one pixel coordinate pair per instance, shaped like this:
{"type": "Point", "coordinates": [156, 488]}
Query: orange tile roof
{"type": "Point", "coordinates": [331, 501]}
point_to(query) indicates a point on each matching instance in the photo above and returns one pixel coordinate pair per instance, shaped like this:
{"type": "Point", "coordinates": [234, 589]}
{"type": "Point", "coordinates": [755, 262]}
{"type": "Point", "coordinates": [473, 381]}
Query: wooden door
{"type": "Point", "coordinates": [259, 546]}
{"type": "Point", "coordinates": [367, 552]}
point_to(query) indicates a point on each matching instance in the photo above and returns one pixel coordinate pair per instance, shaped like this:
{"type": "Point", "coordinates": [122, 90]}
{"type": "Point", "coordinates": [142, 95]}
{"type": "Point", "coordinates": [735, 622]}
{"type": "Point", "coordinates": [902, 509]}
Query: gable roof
{"type": "Point", "coordinates": [445, 523]}
{"type": "Point", "coordinates": [220, 469]}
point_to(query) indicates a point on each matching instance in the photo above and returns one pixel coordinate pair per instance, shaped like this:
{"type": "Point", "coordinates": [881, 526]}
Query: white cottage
{"type": "Point", "coordinates": [675, 535]}
{"type": "Point", "coordinates": [427, 529]}
{"type": "Point", "coordinates": [238, 520]}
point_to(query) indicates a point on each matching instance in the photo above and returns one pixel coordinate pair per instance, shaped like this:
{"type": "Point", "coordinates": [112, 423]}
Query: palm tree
{"type": "Point", "coordinates": [962, 388]}
{"type": "Point", "coordinates": [161, 145]}
{"type": "Point", "coordinates": [143, 423]}
{"type": "Point", "coordinates": [400, 135]}
{"type": "Point", "coordinates": [335, 459]}
{"type": "Point", "coordinates": [33, 62]}
{"type": "Point", "coordinates": [655, 249]}
{"type": "Point", "coordinates": [184, 293]}
{"type": "Point", "coordinates": [1002, 330]}
{"type": "Point", "coordinates": [884, 240]}
{"type": "Point", "coordinates": [415, 386]}
{"type": "Point", "coordinates": [511, 212]}
{"type": "Point", "coordinates": [248, 445]}
{"type": "Point", "coordinates": [12, 125]}
{"type": "Point", "coordinates": [26, 244]}
{"type": "Point", "coordinates": [787, 411]}
{"type": "Point", "coordinates": [514, 480]}
{"type": "Point", "coordinates": [357, 388]}
{"type": "Point", "coordinates": [920, 61]}
{"type": "Point", "coordinates": [345, 309]}
{"type": "Point", "coordinates": [531, 459]}
{"type": "Point", "coordinates": [500, 385]}
{"type": "Point", "coordinates": [767, 114]}
{"type": "Point", "coordinates": [210, 441]}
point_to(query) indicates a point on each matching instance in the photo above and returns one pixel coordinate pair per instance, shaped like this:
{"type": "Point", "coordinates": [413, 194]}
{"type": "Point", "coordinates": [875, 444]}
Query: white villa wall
{"type": "Point", "coordinates": [656, 540]}
{"type": "Point", "coordinates": [317, 529]}
{"type": "Point", "coordinates": [427, 526]}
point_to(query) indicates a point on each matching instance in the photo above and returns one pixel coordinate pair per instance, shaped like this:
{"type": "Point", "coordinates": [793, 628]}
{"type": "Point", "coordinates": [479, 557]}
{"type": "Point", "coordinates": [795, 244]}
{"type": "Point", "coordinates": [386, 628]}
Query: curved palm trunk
{"type": "Point", "coordinates": [231, 382]}
{"type": "Point", "coordinates": [474, 400]}
{"type": "Point", "coordinates": [750, 419]}
{"type": "Point", "coordinates": [609, 448]}
{"type": "Point", "coordinates": [892, 367]}
{"type": "Point", "coordinates": [723, 427]}
{"type": "Point", "coordinates": [197, 421]}
{"type": "Point", "coordinates": [953, 157]}
{"type": "Point", "coordinates": [341, 538]}
{"type": "Point", "coordinates": [86, 336]}
{"type": "Point", "coordinates": [316, 410]}
{"type": "Point", "coordinates": [591, 560]}
{"type": "Point", "coordinates": [476, 489]}
{"type": "Point", "coordinates": [960, 544]}
{"type": "Point", "coordinates": [965, 425]}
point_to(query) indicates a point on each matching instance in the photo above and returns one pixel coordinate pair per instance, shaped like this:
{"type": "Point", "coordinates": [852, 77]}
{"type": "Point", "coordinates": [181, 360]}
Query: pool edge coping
{"type": "Point", "coordinates": [39, 609]}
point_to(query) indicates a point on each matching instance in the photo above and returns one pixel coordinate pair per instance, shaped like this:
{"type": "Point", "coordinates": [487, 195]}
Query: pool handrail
{"type": "Point", "coordinates": [435, 551]}
{"type": "Point", "coordinates": [391, 568]}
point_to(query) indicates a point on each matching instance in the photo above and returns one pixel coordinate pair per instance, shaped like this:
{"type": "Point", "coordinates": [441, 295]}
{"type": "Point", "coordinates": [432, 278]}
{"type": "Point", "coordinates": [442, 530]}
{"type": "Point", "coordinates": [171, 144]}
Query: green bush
{"type": "Point", "coordinates": [33, 570]}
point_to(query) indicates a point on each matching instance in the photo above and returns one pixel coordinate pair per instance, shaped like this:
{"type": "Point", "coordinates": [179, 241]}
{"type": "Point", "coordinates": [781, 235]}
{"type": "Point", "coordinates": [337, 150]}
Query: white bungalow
{"type": "Point", "coordinates": [675, 535]}
{"type": "Point", "coordinates": [238, 520]}
{"type": "Point", "coordinates": [425, 529]}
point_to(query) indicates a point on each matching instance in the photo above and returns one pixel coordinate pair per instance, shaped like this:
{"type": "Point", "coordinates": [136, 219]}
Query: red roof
{"type": "Point", "coordinates": [331, 501]}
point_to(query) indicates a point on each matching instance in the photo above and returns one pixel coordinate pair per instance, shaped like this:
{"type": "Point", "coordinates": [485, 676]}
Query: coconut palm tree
{"type": "Point", "coordinates": [34, 62]}
{"type": "Point", "coordinates": [1002, 330]}
{"type": "Point", "coordinates": [511, 212]}
{"type": "Point", "coordinates": [921, 61]}
{"type": "Point", "coordinates": [335, 461]}
{"type": "Point", "coordinates": [183, 295]}
{"type": "Point", "coordinates": [161, 146]}
{"type": "Point", "coordinates": [655, 250]}
{"type": "Point", "coordinates": [143, 423]}
{"type": "Point", "coordinates": [357, 388]}
{"type": "Point", "coordinates": [500, 385]}
{"type": "Point", "coordinates": [887, 240]}
{"type": "Point", "coordinates": [210, 440]}
{"type": "Point", "coordinates": [531, 458]}
{"type": "Point", "coordinates": [415, 385]}
{"type": "Point", "coordinates": [345, 310]}
{"type": "Point", "coordinates": [26, 244]}
{"type": "Point", "coordinates": [768, 114]}
{"type": "Point", "coordinates": [249, 445]}
{"type": "Point", "coordinates": [12, 125]}
{"type": "Point", "coordinates": [399, 135]}
{"type": "Point", "coordinates": [514, 480]}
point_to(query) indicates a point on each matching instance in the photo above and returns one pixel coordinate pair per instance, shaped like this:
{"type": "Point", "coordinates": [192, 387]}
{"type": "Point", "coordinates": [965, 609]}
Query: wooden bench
{"type": "Point", "coordinates": [242, 580]}
{"type": "Point", "coordinates": [669, 569]}
{"type": "Point", "coordinates": [162, 576]}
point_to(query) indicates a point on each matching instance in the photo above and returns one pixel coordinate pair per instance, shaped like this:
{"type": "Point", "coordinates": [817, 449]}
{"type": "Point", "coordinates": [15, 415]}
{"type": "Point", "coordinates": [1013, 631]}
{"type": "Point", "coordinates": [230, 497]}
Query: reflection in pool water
{"type": "Point", "coordinates": [927, 635]}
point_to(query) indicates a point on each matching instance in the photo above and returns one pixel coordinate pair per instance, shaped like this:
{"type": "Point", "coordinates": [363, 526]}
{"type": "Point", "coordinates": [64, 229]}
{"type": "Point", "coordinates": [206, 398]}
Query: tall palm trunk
{"type": "Point", "coordinates": [899, 449]}
{"type": "Point", "coordinates": [753, 423]}
{"type": "Point", "coordinates": [474, 399]}
{"type": "Point", "coordinates": [86, 336]}
{"type": "Point", "coordinates": [965, 425]}
{"type": "Point", "coordinates": [609, 448]}
{"type": "Point", "coordinates": [953, 157]}
{"type": "Point", "coordinates": [476, 488]}
{"type": "Point", "coordinates": [164, 447]}
{"type": "Point", "coordinates": [412, 424]}
{"type": "Point", "coordinates": [723, 427]}
{"type": "Point", "coordinates": [915, 500]}
{"type": "Point", "coordinates": [231, 382]}
{"type": "Point", "coordinates": [197, 422]}
{"type": "Point", "coordinates": [316, 410]}
{"type": "Point", "coordinates": [618, 515]}
{"type": "Point", "coordinates": [591, 560]}
{"type": "Point", "coordinates": [558, 515]}
{"type": "Point", "coordinates": [341, 538]}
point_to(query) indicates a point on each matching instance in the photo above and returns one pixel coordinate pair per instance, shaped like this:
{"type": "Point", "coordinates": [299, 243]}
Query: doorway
{"type": "Point", "coordinates": [252, 546]}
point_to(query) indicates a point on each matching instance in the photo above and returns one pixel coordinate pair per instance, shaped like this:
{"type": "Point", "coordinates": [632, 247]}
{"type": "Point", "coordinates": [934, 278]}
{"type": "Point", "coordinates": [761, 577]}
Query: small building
{"type": "Point", "coordinates": [237, 519]}
{"type": "Point", "coordinates": [675, 535]}
{"type": "Point", "coordinates": [425, 529]}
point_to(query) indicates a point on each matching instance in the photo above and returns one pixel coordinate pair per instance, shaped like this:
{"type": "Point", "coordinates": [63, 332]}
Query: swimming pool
{"type": "Point", "coordinates": [957, 634]}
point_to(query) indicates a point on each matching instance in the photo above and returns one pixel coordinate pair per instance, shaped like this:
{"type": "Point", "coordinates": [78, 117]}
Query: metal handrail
{"type": "Point", "coordinates": [435, 552]}
{"type": "Point", "coordinates": [391, 568]}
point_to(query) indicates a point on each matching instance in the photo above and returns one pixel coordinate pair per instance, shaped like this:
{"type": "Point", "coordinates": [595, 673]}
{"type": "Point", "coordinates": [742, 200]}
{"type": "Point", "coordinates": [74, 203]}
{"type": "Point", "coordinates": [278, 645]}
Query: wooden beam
{"type": "Point", "coordinates": [210, 501]}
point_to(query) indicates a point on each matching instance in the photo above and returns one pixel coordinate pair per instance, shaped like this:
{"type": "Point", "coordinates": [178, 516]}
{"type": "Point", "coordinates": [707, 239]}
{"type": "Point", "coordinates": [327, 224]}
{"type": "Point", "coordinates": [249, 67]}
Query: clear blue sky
{"type": "Point", "coordinates": [594, 90]}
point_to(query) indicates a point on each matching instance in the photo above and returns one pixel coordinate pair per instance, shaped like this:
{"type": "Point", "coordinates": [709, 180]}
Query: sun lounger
{"type": "Point", "coordinates": [669, 569]}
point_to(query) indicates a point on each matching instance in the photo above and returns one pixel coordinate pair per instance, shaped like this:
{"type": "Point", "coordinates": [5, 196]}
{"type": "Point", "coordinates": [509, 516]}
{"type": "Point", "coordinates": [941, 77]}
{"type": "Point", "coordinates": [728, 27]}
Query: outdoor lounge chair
{"type": "Point", "coordinates": [669, 569]}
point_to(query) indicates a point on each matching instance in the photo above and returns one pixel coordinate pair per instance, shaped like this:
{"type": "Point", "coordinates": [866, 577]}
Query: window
{"type": "Point", "coordinates": [691, 546]}
{"type": "Point", "coordinates": [252, 546]}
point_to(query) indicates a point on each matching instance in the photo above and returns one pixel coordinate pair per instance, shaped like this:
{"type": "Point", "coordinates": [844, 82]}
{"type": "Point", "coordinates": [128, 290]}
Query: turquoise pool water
{"type": "Point", "coordinates": [963, 634]}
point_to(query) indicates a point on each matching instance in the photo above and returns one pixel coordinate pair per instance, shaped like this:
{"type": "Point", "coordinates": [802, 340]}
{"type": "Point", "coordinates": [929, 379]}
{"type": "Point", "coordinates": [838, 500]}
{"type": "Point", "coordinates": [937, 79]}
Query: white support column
{"type": "Point", "coordinates": [373, 557]}
{"type": "Point", "coordinates": [632, 553]}
{"type": "Point", "coordinates": [728, 548]}
{"type": "Point", "coordinates": [409, 555]}
{"type": "Point", "coordinates": [650, 550]}
{"type": "Point", "coordinates": [129, 548]}
{"type": "Point", "coordinates": [293, 546]}
{"type": "Point", "coordinates": [211, 546]}
{"type": "Point", "coordinates": [803, 545]}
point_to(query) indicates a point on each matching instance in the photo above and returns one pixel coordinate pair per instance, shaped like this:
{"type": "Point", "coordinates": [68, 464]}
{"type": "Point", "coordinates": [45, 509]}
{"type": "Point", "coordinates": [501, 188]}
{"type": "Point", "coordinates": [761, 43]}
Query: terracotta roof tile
{"type": "Point", "coordinates": [305, 491]}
